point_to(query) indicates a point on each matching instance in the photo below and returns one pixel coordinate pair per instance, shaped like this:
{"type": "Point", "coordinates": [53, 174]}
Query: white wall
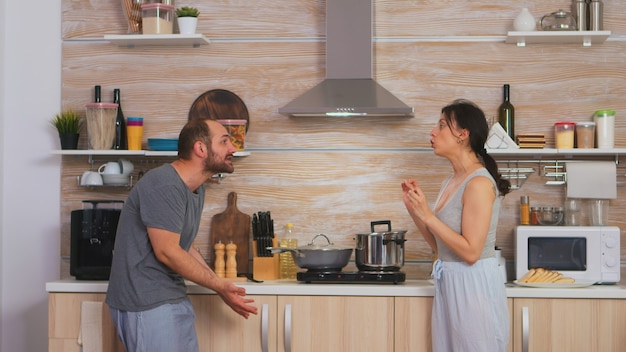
{"type": "Point", "coordinates": [30, 94]}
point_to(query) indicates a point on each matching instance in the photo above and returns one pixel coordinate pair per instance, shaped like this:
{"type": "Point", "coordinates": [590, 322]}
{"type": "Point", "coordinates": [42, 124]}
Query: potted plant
{"type": "Point", "coordinates": [68, 124]}
{"type": "Point", "coordinates": [187, 18]}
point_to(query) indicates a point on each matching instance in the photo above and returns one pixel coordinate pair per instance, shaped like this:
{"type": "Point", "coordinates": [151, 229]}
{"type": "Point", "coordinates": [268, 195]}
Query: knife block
{"type": "Point", "coordinates": [265, 268]}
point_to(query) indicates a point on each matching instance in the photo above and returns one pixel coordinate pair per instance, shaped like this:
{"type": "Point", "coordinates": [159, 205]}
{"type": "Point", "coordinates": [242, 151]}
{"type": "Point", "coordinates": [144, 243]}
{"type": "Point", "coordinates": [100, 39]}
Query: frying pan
{"type": "Point", "coordinates": [219, 104]}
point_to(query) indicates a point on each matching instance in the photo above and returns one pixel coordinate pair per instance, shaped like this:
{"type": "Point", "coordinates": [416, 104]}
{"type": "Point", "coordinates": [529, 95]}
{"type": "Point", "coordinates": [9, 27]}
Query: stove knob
{"type": "Point", "coordinates": [379, 277]}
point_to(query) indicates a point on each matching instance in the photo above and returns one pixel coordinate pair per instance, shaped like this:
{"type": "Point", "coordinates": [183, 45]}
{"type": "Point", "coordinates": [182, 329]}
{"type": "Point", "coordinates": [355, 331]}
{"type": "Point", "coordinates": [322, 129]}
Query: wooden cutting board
{"type": "Point", "coordinates": [231, 225]}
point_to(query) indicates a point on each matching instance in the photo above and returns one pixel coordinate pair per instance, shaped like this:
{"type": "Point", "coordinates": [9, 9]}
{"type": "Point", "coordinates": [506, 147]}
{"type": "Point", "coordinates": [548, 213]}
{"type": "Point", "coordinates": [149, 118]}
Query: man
{"type": "Point", "coordinates": [153, 253]}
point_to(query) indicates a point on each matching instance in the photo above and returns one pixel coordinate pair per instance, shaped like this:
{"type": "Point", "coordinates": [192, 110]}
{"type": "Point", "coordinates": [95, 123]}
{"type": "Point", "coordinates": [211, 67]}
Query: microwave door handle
{"type": "Point", "coordinates": [525, 329]}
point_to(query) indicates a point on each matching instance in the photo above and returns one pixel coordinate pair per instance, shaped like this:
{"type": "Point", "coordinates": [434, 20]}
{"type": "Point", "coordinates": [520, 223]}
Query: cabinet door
{"type": "Point", "coordinates": [413, 328]}
{"type": "Point", "coordinates": [412, 320]}
{"type": "Point", "coordinates": [220, 329]}
{"type": "Point", "coordinates": [336, 323]}
{"type": "Point", "coordinates": [64, 311]}
{"type": "Point", "coordinates": [569, 325]}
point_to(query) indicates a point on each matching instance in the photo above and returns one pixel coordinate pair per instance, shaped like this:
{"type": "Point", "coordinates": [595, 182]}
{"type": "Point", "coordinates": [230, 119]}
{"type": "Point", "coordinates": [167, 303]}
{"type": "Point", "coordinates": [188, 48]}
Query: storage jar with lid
{"type": "Point", "coordinates": [585, 134]}
{"type": "Point", "coordinates": [157, 18]}
{"type": "Point", "coordinates": [605, 128]}
{"type": "Point", "coordinates": [564, 135]}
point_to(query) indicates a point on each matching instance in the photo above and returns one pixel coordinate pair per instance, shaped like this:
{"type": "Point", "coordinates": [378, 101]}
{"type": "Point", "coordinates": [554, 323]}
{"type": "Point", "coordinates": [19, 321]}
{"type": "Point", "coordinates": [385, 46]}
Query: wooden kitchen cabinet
{"type": "Point", "coordinates": [316, 323]}
{"type": "Point", "coordinates": [569, 325]}
{"type": "Point", "coordinates": [413, 328]}
{"type": "Point", "coordinates": [219, 328]}
{"type": "Point", "coordinates": [336, 323]}
{"type": "Point", "coordinates": [64, 311]}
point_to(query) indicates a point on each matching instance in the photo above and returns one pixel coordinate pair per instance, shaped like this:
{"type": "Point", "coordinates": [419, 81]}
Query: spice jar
{"type": "Point", "coordinates": [535, 213]}
{"type": "Point", "coordinates": [547, 216]}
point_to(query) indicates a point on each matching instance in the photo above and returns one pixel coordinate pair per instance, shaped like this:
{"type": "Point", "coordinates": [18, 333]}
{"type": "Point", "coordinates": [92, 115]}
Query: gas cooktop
{"type": "Point", "coordinates": [355, 277]}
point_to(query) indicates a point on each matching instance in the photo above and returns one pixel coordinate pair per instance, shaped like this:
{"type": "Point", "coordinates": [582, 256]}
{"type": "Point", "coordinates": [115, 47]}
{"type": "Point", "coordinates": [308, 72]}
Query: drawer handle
{"type": "Point", "coordinates": [264, 327]}
{"type": "Point", "coordinates": [525, 329]}
{"type": "Point", "coordinates": [288, 328]}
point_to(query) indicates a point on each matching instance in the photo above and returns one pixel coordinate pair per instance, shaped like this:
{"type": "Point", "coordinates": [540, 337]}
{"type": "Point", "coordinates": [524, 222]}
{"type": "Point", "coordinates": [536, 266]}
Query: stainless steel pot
{"type": "Point", "coordinates": [380, 251]}
{"type": "Point", "coordinates": [325, 257]}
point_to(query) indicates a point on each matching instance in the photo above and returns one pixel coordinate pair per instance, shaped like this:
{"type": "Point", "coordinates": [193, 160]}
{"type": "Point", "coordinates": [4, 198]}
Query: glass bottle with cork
{"type": "Point", "coordinates": [288, 268]}
{"type": "Point", "coordinates": [506, 113]}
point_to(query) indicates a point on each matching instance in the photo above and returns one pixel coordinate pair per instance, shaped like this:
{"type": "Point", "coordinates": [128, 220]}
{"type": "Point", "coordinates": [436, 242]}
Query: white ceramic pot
{"type": "Point", "coordinates": [187, 25]}
{"type": "Point", "coordinates": [525, 21]}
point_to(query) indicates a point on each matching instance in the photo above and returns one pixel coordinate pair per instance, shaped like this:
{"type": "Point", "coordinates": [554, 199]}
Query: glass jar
{"type": "Point", "coordinates": [564, 135]}
{"type": "Point", "coordinates": [535, 213]}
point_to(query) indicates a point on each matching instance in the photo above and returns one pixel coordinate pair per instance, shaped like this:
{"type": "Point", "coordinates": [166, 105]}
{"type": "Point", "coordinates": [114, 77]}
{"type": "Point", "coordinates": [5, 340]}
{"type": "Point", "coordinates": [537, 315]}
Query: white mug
{"type": "Point", "coordinates": [91, 178]}
{"type": "Point", "coordinates": [126, 166]}
{"type": "Point", "coordinates": [110, 168]}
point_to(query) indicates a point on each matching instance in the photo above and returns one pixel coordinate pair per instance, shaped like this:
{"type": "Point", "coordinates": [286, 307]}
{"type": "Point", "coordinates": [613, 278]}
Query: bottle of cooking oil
{"type": "Point", "coordinates": [288, 268]}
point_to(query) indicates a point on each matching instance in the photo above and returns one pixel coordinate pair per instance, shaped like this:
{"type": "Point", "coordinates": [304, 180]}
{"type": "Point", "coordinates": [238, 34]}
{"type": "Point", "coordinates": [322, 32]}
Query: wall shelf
{"type": "Point", "coordinates": [559, 153]}
{"type": "Point", "coordinates": [111, 152]}
{"type": "Point", "coordinates": [133, 40]}
{"type": "Point", "coordinates": [586, 38]}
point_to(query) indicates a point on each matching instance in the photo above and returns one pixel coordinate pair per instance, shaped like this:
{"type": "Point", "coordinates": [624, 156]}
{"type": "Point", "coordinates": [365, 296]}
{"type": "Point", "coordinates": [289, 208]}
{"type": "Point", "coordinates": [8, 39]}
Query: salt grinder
{"type": "Point", "coordinates": [231, 260]}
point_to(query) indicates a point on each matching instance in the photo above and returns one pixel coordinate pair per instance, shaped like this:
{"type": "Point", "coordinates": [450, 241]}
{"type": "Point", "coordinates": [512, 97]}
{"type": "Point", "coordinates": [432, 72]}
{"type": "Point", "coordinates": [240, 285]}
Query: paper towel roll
{"type": "Point", "coordinates": [591, 179]}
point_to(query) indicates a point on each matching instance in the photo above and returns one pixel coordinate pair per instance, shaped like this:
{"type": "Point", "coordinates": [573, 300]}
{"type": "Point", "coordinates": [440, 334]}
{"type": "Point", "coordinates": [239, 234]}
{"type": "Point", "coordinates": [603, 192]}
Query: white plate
{"type": "Point", "coordinates": [577, 284]}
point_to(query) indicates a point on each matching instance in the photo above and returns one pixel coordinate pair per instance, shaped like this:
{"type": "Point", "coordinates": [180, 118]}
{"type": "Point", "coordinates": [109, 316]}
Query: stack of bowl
{"type": "Point", "coordinates": [116, 173]}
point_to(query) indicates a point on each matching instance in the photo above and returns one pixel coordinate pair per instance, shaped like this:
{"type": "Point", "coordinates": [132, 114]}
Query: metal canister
{"type": "Point", "coordinates": [579, 10]}
{"type": "Point", "coordinates": [595, 15]}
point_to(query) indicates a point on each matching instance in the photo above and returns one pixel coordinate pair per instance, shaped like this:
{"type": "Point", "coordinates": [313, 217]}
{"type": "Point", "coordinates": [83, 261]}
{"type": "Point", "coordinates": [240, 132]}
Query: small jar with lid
{"type": "Point", "coordinates": [564, 135]}
{"type": "Point", "coordinates": [535, 213]}
{"type": "Point", "coordinates": [585, 134]}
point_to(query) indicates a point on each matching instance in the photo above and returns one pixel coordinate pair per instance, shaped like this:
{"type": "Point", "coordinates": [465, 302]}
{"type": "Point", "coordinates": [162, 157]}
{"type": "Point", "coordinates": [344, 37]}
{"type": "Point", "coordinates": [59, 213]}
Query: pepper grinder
{"type": "Point", "coordinates": [219, 259]}
{"type": "Point", "coordinates": [231, 261]}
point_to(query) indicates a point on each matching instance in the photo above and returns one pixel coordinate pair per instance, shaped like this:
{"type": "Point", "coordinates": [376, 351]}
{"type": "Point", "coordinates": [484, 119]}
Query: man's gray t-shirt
{"type": "Point", "coordinates": [138, 281]}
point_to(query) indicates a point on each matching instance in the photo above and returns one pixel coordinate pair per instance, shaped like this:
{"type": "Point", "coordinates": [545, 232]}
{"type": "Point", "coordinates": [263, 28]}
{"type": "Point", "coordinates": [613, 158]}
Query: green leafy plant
{"type": "Point", "coordinates": [67, 122]}
{"type": "Point", "coordinates": [187, 11]}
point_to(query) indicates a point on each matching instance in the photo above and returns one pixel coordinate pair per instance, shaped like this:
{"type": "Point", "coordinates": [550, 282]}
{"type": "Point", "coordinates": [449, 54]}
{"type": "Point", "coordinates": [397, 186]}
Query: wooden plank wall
{"type": "Point", "coordinates": [335, 176]}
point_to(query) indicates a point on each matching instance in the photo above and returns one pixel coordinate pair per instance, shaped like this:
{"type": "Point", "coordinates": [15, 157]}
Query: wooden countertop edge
{"type": "Point", "coordinates": [410, 288]}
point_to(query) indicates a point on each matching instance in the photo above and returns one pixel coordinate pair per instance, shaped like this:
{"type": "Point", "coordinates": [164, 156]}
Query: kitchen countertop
{"type": "Point", "coordinates": [410, 288]}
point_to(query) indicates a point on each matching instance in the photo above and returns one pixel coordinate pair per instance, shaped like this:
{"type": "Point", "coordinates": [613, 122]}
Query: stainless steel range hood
{"type": "Point", "coordinates": [348, 89]}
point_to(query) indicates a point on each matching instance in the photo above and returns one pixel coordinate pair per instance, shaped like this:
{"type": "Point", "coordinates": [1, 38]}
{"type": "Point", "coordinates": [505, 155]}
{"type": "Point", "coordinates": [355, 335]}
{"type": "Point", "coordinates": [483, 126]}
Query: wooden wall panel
{"type": "Point", "coordinates": [334, 176]}
{"type": "Point", "coordinates": [305, 18]}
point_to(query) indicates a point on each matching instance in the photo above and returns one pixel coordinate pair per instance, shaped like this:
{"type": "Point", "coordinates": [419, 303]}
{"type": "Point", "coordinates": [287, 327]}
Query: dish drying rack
{"type": "Point", "coordinates": [553, 170]}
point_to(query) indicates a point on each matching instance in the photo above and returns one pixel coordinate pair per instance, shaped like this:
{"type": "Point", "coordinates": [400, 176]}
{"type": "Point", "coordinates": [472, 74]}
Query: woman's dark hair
{"type": "Point", "coordinates": [193, 131]}
{"type": "Point", "coordinates": [467, 115]}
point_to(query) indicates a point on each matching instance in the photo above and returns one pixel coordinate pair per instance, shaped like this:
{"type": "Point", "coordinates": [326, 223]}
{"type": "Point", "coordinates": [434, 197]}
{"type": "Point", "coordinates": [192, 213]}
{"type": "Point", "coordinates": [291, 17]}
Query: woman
{"type": "Point", "coordinates": [469, 309]}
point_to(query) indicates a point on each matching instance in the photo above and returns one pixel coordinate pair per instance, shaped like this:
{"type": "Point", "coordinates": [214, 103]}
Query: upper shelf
{"type": "Point", "coordinates": [125, 152]}
{"type": "Point", "coordinates": [586, 38]}
{"type": "Point", "coordinates": [566, 153]}
{"type": "Point", "coordinates": [132, 40]}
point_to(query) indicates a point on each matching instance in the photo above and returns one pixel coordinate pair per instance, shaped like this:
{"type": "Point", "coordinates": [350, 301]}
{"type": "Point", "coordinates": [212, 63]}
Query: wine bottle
{"type": "Point", "coordinates": [96, 97]}
{"type": "Point", "coordinates": [506, 114]}
{"type": "Point", "coordinates": [121, 143]}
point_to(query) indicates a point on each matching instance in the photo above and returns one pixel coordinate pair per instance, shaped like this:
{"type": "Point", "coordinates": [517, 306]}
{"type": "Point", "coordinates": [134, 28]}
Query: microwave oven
{"type": "Point", "coordinates": [585, 253]}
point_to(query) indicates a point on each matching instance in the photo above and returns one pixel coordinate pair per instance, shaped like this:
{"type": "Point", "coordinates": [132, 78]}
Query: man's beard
{"type": "Point", "coordinates": [214, 166]}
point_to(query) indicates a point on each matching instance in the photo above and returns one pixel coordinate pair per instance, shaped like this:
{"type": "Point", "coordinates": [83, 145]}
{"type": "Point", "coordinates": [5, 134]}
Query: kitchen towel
{"type": "Point", "coordinates": [591, 179]}
{"type": "Point", "coordinates": [90, 334]}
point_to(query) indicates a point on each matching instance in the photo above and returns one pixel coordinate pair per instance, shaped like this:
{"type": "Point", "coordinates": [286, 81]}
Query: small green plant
{"type": "Point", "coordinates": [67, 122]}
{"type": "Point", "coordinates": [187, 11]}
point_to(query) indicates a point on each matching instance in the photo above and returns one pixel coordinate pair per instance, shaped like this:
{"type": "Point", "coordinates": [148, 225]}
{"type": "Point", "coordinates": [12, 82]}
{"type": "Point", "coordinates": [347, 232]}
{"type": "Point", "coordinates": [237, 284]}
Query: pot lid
{"type": "Point", "coordinates": [320, 245]}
